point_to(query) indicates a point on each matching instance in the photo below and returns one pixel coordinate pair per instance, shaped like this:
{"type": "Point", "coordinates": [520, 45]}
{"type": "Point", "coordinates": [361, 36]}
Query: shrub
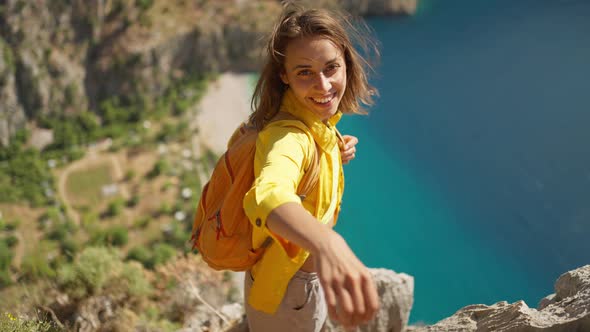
{"type": "Point", "coordinates": [91, 269]}
{"type": "Point", "coordinates": [136, 283]}
{"type": "Point", "coordinates": [98, 269]}
{"type": "Point", "coordinates": [115, 207]}
{"type": "Point", "coordinates": [69, 248]}
{"type": "Point", "coordinates": [114, 236]}
{"type": "Point", "coordinates": [11, 226]}
{"type": "Point", "coordinates": [141, 222]}
{"type": "Point", "coordinates": [58, 233]}
{"type": "Point", "coordinates": [162, 253]}
{"type": "Point", "coordinates": [142, 255]}
{"type": "Point", "coordinates": [52, 213]}
{"type": "Point", "coordinates": [62, 231]}
{"type": "Point", "coordinates": [133, 201]}
{"type": "Point", "coordinates": [98, 237]}
{"type": "Point", "coordinates": [11, 241]}
{"type": "Point", "coordinates": [160, 168]}
{"type": "Point", "coordinates": [118, 236]}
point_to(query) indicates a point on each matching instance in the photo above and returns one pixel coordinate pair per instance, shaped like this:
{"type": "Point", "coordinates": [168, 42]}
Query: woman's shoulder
{"type": "Point", "coordinates": [287, 127]}
{"type": "Point", "coordinates": [286, 132]}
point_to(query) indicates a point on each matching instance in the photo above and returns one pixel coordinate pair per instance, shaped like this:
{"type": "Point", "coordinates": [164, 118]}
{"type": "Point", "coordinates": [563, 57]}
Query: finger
{"type": "Point", "coordinates": [371, 297]}
{"type": "Point", "coordinates": [351, 140]}
{"type": "Point", "coordinates": [345, 307]}
{"type": "Point", "coordinates": [331, 303]}
{"type": "Point", "coordinates": [355, 286]}
{"type": "Point", "coordinates": [349, 152]}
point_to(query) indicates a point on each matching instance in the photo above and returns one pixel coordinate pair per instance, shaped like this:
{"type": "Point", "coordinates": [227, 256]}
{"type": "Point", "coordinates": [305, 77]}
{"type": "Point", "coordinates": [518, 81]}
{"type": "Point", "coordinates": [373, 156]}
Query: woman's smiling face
{"type": "Point", "coordinates": [316, 72]}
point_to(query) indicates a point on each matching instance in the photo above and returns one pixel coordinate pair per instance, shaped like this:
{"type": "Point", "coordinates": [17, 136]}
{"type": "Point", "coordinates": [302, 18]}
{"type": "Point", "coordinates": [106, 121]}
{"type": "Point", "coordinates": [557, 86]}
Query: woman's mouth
{"type": "Point", "coordinates": [323, 101]}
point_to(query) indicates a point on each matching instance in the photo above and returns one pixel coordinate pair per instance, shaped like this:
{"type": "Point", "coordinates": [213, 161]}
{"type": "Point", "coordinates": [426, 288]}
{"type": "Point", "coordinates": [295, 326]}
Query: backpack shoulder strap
{"type": "Point", "coordinates": [312, 171]}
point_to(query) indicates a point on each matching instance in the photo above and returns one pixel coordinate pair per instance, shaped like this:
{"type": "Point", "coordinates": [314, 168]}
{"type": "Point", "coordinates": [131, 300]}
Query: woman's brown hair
{"type": "Point", "coordinates": [296, 22]}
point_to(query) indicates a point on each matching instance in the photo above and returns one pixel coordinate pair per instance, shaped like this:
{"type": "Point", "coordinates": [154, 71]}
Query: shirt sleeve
{"type": "Point", "coordinates": [278, 168]}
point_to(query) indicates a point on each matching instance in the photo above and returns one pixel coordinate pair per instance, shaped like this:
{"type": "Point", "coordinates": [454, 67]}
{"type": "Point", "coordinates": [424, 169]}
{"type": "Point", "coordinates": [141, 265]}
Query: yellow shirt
{"type": "Point", "coordinates": [284, 149]}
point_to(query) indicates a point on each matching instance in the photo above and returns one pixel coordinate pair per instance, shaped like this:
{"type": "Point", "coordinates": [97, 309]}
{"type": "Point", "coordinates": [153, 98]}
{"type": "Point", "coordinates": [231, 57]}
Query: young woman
{"type": "Point", "coordinates": [314, 74]}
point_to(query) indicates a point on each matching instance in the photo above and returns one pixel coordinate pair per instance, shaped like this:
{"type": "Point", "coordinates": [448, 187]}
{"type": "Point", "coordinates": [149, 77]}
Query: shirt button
{"type": "Point", "coordinates": [258, 222]}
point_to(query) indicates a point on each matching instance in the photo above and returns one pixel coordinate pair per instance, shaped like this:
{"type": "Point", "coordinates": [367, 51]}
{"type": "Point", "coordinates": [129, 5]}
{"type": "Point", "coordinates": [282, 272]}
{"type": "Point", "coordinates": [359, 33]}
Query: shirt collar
{"type": "Point", "coordinates": [323, 133]}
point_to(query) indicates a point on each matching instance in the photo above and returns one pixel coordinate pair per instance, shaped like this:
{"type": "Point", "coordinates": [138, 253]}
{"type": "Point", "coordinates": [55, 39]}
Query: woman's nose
{"type": "Point", "coordinates": [323, 83]}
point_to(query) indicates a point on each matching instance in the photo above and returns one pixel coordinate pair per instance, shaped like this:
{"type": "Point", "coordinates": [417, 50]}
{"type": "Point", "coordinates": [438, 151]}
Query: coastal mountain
{"type": "Point", "coordinates": [63, 57]}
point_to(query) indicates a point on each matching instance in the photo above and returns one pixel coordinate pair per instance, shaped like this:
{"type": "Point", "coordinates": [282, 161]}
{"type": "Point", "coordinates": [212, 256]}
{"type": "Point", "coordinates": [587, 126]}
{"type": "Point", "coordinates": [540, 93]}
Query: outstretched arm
{"type": "Point", "coordinates": [350, 291]}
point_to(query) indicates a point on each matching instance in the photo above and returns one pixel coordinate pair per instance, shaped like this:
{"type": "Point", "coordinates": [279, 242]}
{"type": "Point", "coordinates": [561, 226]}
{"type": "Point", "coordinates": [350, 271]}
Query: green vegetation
{"type": "Point", "coordinates": [142, 222]}
{"type": "Point", "coordinates": [61, 229]}
{"type": "Point", "coordinates": [115, 112]}
{"type": "Point", "coordinates": [114, 236]}
{"type": "Point", "coordinates": [144, 4]}
{"type": "Point", "coordinates": [165, 209]}
{"type": "Point", "coordinates": [60, 258]}
{"type": "Point", "coordinates": [5, 261]}
{"type": "Point", "coordinates": [9, 322]}
{"type": "Point", "coordinates": [129, 175]}
{"type": "Point", "coordinates": [160, 253]}
{"type": "Point", "coordinates": [173, 132]}
{"type": "Point", "coordinates": [115, 207]}
{"type": "Point", "coordinates": [99, 269]}
{"type": "Point", "coordinates": [36, 263]}
{"type": "Point", "coordinates": [24, 175]}
{"type": "Point", "coordinates": [177, 234]}
{"type": "Point", "coordinates": [161, 167]}
{"type": "Point", "coordinates": [133, 201]}
{"type": "Point", "coordinates": [141, 254]}
{"type": "Point", "coordinates": [71, 131]}
{"type": "Point", "coordinates": [180, 95]}
{"type": "Point", "coordinates": [11, 241]}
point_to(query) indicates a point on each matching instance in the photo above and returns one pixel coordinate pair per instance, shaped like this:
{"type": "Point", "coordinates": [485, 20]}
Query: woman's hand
{"type": "Point", "coordinates": [351, 294]}
{"type": "Point", "coordinates": [350, 291]}
{"type": "Point", "coordinates": [348, 148]}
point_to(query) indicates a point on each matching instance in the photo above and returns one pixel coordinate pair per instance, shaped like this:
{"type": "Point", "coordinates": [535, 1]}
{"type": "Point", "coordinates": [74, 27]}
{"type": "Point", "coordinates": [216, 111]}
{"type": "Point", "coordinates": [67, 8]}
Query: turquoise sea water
{"type": "Point", "coordinates": [473, 168]}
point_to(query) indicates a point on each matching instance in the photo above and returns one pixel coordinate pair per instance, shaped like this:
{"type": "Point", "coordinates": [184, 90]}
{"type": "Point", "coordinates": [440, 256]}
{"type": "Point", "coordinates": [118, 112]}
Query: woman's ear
{"type": "Point", "coordinates": [284, 78]}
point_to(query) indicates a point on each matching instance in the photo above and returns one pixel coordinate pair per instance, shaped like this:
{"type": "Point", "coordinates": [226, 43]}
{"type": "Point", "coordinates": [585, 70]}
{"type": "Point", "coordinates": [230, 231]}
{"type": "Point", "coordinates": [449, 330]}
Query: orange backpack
{"type": "Point", "coordinates": [221, 230]}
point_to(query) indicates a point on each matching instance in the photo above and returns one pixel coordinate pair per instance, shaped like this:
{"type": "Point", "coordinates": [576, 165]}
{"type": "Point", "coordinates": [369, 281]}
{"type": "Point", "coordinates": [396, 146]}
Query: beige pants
{"type": "Point", "coordinates": [303, 308]}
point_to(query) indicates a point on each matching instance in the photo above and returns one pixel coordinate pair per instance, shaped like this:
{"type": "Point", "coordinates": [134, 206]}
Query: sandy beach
{"type": "Point", "coordinates": [225, 105]}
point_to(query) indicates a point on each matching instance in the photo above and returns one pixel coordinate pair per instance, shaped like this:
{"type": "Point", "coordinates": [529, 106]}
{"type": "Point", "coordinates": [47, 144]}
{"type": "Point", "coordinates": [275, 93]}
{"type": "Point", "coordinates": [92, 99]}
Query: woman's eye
{"type": "Point", "coordinates": [304, 73]}
{"type": "Point", "coordinates": [332, 67]}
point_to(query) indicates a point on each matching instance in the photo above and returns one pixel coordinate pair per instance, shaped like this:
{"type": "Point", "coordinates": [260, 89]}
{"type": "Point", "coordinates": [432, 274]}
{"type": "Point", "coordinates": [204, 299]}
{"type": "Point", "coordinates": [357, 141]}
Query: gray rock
{"type": "Point", "coordinates": [567, 311]}
{"type": "Point", "coordinates": [547, 300]}
{"type": "Point", "coordinates": [12, 115]}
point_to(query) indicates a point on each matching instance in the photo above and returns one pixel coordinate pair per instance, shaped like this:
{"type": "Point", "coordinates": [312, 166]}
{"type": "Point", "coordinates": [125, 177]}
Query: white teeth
{"type": "Point", "coordinates": [322, 100]}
